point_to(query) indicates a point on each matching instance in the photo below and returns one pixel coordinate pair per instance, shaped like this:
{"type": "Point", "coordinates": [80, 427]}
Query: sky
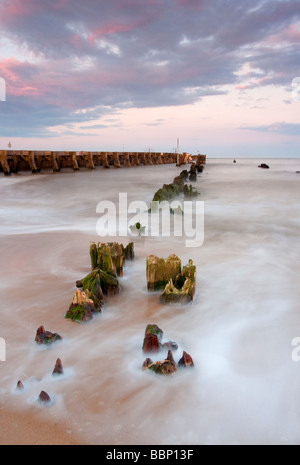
{"type": "Point", "coordinates": [135, 75]}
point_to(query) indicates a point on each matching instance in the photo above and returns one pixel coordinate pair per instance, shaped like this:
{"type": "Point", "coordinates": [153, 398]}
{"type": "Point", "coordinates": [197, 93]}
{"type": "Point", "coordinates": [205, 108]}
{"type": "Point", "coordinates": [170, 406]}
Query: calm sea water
{"type": "Point", "coordinates": [244, 388]}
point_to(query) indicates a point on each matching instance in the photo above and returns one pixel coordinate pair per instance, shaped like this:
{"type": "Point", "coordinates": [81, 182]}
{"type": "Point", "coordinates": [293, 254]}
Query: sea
{"type": "Point", "coordinates": [242, 329]}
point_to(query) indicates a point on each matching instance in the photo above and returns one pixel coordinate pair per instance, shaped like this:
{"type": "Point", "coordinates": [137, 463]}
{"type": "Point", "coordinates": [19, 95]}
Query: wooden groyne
{"type": "Point", "coordinates": [13, 161]}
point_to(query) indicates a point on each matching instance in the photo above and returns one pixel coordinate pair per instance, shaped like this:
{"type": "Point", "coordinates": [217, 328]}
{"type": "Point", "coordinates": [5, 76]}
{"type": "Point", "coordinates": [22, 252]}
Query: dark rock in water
{"type": "Point", "coordinates": [169, 345]}
{"type": "Point", "coordinates": [184, 174]}
{"type": "Point", "coordinates": [179, 182]}
{"type": "Point", "coordinates": [147, 363]}
{"type": "Point", "coordinates": [20, 386]}
{"type": "Point", "coordinates": [200, 168]}
{"type": "Point", "coordinates": [151, 343]}
{"type": "Point", "coordinates": [193, 177]}
{"type": "Point", "coordinates": [152, 339]}
{"type": "Point", "coordinates": [154, 329]}
{"type": "Point", "coordinates": [46, 337]}
{"type": "Point", "coordinates": [167, 192]}
{"type": "Point", "coordinates": [263, 165]}
{"type": "Point", "coordinates": [234, 161]}
{"type": "Point", "coordinates": [58, 368]}
{"type": "Point", "coordinates": [186, 360]}
{"type": "Point", "coordinates": [193, 173]}
{"type": "Point", "coordinates": [297, 172]}
{"type": "Point", "coordinates": [167, 366]}
{"type": "Point", "coordinates": [189, 191]}
{"type": "Point", "coordinates": [44, 397]}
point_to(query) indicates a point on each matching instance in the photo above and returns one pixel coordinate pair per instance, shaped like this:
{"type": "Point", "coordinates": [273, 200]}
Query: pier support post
{"type": "Point", "coordinates": [134, 159]}
{"type": "Point", "coordinates": [31, 160]}
{"type": "Point", "coordinates": [55, 165]}
{"type": "Point", "coordinates": [105, 163]}
{"type": "Point", "coordinates": [159, 159]}
{"type": "Point", "coordinates": [149, 158]}
{"type": "Point", "coordinates": [74, 161]}
{"type": "Point", "coordinates": [126, 160]}
{"type": "Point", "coordinates": [88, 157]}
{"type": "Point", "coordinates": [15, 163]}
{"type": "Point", "coordinates": [142, 158]}
{"type": "Point", "coordinates": [116, 160]}
{"type": "Point", "coordinates": [4, 162]}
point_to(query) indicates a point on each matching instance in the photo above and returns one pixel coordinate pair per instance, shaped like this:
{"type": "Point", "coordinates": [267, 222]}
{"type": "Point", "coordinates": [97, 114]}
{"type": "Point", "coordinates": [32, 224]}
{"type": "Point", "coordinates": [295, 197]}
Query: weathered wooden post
{"type": "Point", "coordinates": [143, 158]}
{"type": "Point", "coordinates": [15, 162]}
{"type": "Point", "coordinates": [4, 162]}
{"type": "Point", "coordinates": [116, 160]}
{"type": "Point", "coordinates": [159, 159]}
{"type": "Point", "coordinates": [74, 161]}
{"type": "Point", "coordinates": [55, 166]}
{"type": "Point", "coordinates": [126, 160]}
{"type": "Point", "coordinates": [105, 163]}
{"type": "Point", "coordinates": [149, 158]}
{"type": "Point", "coordinates": [134, 159]}
{"type": "Point", "coordinates": [88, 157]}
{"type": "Point", "coordinates": [30, 157]}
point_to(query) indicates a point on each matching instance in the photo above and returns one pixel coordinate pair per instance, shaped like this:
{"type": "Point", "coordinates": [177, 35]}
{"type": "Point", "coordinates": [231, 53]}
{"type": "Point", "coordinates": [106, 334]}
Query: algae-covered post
{"type": "Point", "coordinates": [82, 306]}
{"type": "Point", "coordinates": [182, 288]}
{"type": "Point", "coordinates": [94, 255]}
{"type": "Point", "coordinates": [178, 285]}
{"type": "Point", "coordinates": [160, 271]}
{"type": "Point", "coordinates": [107, 261]}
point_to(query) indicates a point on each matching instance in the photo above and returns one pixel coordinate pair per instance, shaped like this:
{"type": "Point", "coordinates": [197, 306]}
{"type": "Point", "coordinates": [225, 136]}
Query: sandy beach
{"type": "Point", "coordinates": [22, 428]}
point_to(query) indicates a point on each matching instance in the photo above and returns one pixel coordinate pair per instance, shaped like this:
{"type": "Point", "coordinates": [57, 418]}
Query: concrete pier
{"type": "Point", "coordinates": [13, 161]}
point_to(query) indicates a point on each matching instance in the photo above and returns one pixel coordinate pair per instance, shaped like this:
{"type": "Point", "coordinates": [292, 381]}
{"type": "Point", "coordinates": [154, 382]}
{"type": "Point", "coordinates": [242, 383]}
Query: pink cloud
{"type": "Point", "coordinates": [252, 83]}
{"type": "Point", "coordinates": [291, 34]}
{"type": "Point", "coordinates": [108, 29]}
{"type": "Point", "coordinates": [19, 77]}
{"type": "Point", "coordinates": [18, 8]}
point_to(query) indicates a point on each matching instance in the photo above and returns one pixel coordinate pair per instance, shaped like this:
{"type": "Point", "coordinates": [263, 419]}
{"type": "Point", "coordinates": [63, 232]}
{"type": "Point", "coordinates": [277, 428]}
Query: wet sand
{"type": "Point", "coordinates": [23, 428]}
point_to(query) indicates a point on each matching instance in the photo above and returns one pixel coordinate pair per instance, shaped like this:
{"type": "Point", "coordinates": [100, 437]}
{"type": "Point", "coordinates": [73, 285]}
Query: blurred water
{"type": "Point", "coordinates": [244, 386]}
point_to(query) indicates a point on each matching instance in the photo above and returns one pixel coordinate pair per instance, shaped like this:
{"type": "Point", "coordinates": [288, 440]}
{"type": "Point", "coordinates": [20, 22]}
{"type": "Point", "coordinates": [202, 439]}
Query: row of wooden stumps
{"type": "Point", "coordinates": [35, 161]}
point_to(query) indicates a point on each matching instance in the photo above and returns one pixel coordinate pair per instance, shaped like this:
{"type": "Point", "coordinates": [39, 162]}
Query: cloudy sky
{"type": "Point", "coordinates": [134, 75]}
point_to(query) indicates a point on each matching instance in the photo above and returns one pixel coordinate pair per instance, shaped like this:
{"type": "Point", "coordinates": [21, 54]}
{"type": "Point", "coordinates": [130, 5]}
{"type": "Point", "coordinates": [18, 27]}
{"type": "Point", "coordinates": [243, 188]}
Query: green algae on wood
{"type": "Point", "coordinates": [159, 271]}
{"type": "Point", "coordinates": [182, 288]}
